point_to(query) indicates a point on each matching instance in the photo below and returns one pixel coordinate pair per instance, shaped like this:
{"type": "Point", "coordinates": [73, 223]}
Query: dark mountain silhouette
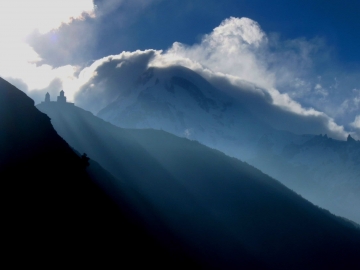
{"type": "Point", "coordinates": [180, 101]}
{"type": "Point", "coordinates": [222, 210]}
{"type": "Point", "coordinates": [54, 212]}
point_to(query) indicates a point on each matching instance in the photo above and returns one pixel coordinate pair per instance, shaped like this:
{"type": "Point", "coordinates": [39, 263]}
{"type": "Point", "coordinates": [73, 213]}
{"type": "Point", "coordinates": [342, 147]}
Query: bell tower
{"type": "Point", "coordinates": [47, 97]}
{"type": "Point", "coordinates": [61, 98]}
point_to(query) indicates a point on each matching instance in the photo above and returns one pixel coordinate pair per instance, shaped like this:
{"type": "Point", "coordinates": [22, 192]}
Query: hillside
{"type": "Point", "coordinates": [226, 212]}
{"type": "Point", "coordinates": [53, 208]}
{"type": "Point", "coordinates": [178, 100]}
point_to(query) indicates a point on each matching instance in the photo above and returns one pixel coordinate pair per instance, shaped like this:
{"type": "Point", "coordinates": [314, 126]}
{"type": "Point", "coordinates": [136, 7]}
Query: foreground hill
{"type": "Point", "coordinates": [178, 100]}
{"type": "Point", "coordinates": [222, 210]}
{"type": "Point", "coordinates": [54, 212]}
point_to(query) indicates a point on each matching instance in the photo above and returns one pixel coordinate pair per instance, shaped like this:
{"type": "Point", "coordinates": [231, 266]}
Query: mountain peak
{"type": "Point", "coordinates": [11, 95]}
{"type": "Point", "coordinates": [350, 139]}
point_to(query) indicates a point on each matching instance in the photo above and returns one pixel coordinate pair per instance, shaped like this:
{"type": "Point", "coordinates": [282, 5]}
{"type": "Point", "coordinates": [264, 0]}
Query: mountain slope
{"type": "Point", "coordinates": [325, 170]}
{"type": "Point", "coordinates": [53, 208]}
{"type": "Point", "coordinates": [179, 101]}
{"type": "Point", "coordinates": [223, 210]}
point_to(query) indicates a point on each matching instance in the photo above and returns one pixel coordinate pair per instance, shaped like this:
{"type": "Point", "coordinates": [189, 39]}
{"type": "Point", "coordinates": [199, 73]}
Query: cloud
{"type": "Point", "coordinates": [95, 35]}
{"type": "Point", "coordinates": [356, 123]}
{"type": "Point", "coordinates": [230, 49]}
{"type": "Point", "coordinates": [241, 52]}
{"type": "Point", "coordinates": [114, 76]}
{"type": "Point", "coordinates": [294, 68]}
{"type": "Point", "coordinates": [280, 75]}
{"type": "Point", "coordinates": [47, 40]}
{"type": "Point", "coordinates": [19, 18]}
{"type": "Point", "coordinates": [107, 78]}
{"type": "Point", "coordinates": [38, 95]}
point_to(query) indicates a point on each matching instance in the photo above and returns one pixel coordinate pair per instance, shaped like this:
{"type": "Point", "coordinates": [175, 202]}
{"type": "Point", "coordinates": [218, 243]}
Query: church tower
{"type": "Point", "coordinates": [61, 98]}
{"type": "Point", "coordinates": [47, 97]}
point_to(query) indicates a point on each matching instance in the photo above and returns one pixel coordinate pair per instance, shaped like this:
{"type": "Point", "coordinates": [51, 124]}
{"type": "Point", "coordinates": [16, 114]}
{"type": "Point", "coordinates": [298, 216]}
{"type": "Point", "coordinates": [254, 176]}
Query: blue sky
{"type": "Point", "coordinates": [307, 50]}
{"type": "Point", "coordinates": [186, 20]}
{"type": "Point", "coordinates": [158, 24]}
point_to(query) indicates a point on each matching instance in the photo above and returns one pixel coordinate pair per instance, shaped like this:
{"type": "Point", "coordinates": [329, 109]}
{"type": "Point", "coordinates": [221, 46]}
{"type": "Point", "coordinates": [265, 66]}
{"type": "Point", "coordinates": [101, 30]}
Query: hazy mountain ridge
{"type": "Point", "coordinates": [178, 100]}
{"type": "Point", "coordinates": [225, 211]}
{"type": "Point", "coordinates": [324, 170]}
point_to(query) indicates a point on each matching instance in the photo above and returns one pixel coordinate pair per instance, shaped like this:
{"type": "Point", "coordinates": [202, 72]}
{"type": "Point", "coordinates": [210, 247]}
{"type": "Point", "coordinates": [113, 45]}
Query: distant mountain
{"type": "Point", "coordinates": [324, 170]}
{"type": "Point", "coordinates": [179, 101]}
{"type": "Point", "coordinates": [221, 210]}
{"type": "Point", "coordinates": [54, 211]}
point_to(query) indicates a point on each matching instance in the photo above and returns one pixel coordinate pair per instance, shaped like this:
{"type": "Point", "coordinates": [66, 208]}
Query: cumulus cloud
{"type": "Point", "coordinates": [229, 49]}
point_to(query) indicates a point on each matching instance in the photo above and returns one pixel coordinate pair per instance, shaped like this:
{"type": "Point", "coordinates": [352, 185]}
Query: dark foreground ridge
{"type": "Point", "coordinates": [53, 210]}
{"type": "Point", "coordinates": [224, 212]}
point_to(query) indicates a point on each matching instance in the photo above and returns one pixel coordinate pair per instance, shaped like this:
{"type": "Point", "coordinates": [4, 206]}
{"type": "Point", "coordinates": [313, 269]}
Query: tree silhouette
{"type": "Point", "coordinates": [85, 160]}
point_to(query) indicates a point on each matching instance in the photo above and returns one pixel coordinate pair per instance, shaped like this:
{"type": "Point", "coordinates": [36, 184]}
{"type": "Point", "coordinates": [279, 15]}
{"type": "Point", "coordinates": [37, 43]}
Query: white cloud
{"type": "Point", "coordinates": [350, 105]}
{"type": "Point", "coordinates": [113, 76]}
{"type": "Point", "coordinates": [229, 49]}
{"type": "Point", "coordinates": [108, 77]}
{"type": "Point", "coordinates": [18, 18]}
{"type": "Point", "coordinates": [239, 50]}
{"type": "Point", "coordinates": [22, 19]}
{"type": "Point", "coordinates": [234, 48]}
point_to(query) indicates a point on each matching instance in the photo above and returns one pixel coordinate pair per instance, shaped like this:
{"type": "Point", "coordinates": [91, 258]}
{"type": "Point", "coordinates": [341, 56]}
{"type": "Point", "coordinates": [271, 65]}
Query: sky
{"type": "Point", "coordinates": [302, 55]}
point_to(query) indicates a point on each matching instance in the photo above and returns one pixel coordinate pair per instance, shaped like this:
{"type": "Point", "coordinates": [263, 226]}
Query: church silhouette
{"type": "Point", "coordinates": [61, 99]}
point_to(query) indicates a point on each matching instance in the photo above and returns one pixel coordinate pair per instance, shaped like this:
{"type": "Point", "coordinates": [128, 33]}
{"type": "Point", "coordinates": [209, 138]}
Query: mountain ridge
{"type": "Point", "coordinates": [243, 209]}
{"type": "Point", "coordinates": [165, 99]}
{"type": "Point", "coordinates": [52, 207]}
